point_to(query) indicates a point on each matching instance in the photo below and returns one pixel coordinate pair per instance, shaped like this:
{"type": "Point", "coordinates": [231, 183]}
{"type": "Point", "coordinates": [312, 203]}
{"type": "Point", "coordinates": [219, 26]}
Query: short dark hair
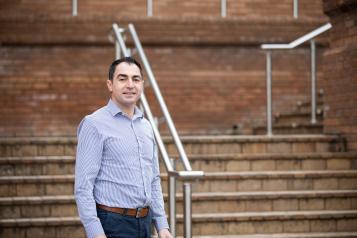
{"type": "Point", "coordinates": [129, 60]}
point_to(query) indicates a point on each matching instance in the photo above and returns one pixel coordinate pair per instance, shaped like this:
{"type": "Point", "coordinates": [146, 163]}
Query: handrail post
{"type": "Point", "coordinates": [117, 50]}
{"type": "Point", "coordinates": [172, 201]}
{"type": "Point", "coordinates": [313, 81]}
{"type": "Point", "coordinates": [149, 8]}
{"type": "Point", "coordinates": [269, 94]}
{"type": "Point", "coordinates": [223, 8]}
{"type": "Point", "coordinates": [187, 210]}
{"type": "Point", "coordinates": [74, 8]}
{"type": "Point", "coordinates": [296, 8]}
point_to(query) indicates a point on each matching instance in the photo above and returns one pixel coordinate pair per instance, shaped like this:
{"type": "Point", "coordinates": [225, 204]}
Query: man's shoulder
{"type": "Point", "coordinates": [95, 118]}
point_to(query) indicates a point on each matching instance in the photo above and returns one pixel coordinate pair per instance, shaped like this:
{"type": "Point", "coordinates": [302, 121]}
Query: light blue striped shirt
{"type": "Point", "coordinates": [117, 166]}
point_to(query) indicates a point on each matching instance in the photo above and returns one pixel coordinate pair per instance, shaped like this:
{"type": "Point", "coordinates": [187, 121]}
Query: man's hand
{"type": "Point", "coordinates": [100, 236]}
{"type": "Point", "coordinates": [164, 233]}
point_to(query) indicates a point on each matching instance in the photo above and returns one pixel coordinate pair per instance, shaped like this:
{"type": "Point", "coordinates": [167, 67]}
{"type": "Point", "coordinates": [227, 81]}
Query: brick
{"type": "Point", "coordinates": [338, 164]}
{"type": "Point", "coordinates": [261, 165]}
{"type": "Point", "coordinates": [13, 232]}
{"type": "Point", "coordinates": [282, 147]}
{"type": "Point", "coordinates": [312, 204]}
{"type": "Point", "coordinates": [286, 205]}
{"type": "Point", "coordinates": [242, 228]}
{"type": "Point", "coordinates": [58, 189]}
{"type": "Point", "coordinates": [236, 206]}
{"type": "Point", "coordinates": [51, 150]}
{"type": "Point", "coordinates": [233, 166]}
{"type": "Point", "coordinates": [288, 164]}
{"type": "Point", "coordinates": [338, 204]}
{"type": "Point", "coordinates": [258, 205]}
{"type": "Point", "coordinates": [325, 184]}
{"type": "Point", "coordinates": [35, 211]}
{"type": "Point", "coordinates": [313, 164]}
{"type": "Point", "coordinates": [347, 224]}
{"type": "Point", "coordinates": [63, 210]}
{"type": "Point", "coordinates": [300, 184]}
{"type": "Point", "coordinates": [7, 212]}
{"type": "Point", "coordinates": [323, 225]}
{"type": "Point", "coordinates": [211, 166]}
{"type": "Point", "coordinates": [249, 185]}
{"type": "Point", "coordinates": [303, 147]}
{"type": "Point", "coordinates": [347, 183]}
{"type": "Point", "coordinates": [249, 148]}
{"type": "Point", "coordinates": [7, 170]}
{"type": "Point", "coordinates": [275, 184]}
{"type": "Point", "coordinates": [24, 150]}
{"type": "Point", "coordinates": [40, 232]}
{"type": "Point", "coordinates": [29, 189]}
{"type": "Point", "coordinates": [7, 190]}
{"type": "Point", "coordinates": [268, 227]}
{"type": "Point", "coordinates": [296, 226]}
{"type": "Point", "coordinates": [223, 186]}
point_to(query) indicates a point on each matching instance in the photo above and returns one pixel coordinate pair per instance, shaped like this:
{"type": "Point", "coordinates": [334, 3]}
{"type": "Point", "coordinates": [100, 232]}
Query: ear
{"type": "Point", "coordinates": [110, 85]}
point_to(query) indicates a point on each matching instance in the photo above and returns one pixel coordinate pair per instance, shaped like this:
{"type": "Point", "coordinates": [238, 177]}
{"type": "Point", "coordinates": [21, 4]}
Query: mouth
{"type": "Point", "coordinates": [129, 93]}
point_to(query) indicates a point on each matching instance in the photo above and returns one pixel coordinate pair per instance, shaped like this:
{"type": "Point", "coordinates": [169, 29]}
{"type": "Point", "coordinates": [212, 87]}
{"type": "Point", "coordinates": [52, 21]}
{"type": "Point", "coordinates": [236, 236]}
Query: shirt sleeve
{"type": "Point", "coordinates": [157, 206]}
{"type": "Point", "coordinates": [88, 160]}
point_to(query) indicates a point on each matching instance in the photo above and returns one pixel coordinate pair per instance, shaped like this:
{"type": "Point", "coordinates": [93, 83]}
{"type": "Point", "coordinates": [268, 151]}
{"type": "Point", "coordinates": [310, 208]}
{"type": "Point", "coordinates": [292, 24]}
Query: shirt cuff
{"type": "Point", "coordinates": [94, 228]}
{"type": "Point", "coordinates": [160, 223]}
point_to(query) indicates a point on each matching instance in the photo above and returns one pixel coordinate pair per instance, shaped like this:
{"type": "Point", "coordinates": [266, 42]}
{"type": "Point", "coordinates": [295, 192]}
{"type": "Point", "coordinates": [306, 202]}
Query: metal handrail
{"type": "Point", "coordinates": [270, 47]}
{"type": "Point", "coordinates": [187, 174]}
{"type": "Point", "coordinates": [149, 8]}
{"type": "Point", "coordinates": [296, 8]}
{"type": "Point", "coordinates": [299, 40]}
{"type": "Point", "coordinates": [223, 8]}
{"type": "Point", "coordinates": [74, 8]}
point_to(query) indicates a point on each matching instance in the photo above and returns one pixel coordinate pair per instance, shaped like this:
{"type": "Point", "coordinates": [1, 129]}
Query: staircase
{"type": "Point", "coordinates": [297, 120]}
{"type": "Point", "coordinates": [285, 186]}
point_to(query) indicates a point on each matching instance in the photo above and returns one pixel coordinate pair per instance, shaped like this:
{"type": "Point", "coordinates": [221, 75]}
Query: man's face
{"type": "Point", "coordinates": [127, 85]}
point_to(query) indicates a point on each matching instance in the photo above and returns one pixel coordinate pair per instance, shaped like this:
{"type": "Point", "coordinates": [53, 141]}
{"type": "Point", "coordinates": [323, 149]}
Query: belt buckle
{"type": "Point", "coordinates": [138, 212]}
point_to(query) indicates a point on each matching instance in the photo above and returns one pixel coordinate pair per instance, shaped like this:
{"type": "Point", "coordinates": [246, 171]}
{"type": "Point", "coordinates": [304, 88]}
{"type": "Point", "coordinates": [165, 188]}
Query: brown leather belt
{"type": "Point", "coordinates": [138, 213]}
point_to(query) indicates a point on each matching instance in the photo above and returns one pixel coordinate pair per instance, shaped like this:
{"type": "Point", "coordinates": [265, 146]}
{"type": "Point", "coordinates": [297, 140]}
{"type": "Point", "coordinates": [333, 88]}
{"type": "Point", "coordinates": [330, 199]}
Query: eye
{"type": "Point", "coordinates": [121, 79]}
{"type": "Point", "coordinates": [136, 80]}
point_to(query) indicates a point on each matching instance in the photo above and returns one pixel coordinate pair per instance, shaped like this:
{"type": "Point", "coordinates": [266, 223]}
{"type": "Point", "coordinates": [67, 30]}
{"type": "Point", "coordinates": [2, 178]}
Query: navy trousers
{"type": "Point", "coordinates": [121, 226]}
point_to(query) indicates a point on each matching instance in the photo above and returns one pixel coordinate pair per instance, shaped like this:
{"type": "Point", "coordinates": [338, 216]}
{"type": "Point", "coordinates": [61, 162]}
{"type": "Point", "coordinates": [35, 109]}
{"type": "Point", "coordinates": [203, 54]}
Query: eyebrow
{"type": "Point", "coordinates": [125, 75]}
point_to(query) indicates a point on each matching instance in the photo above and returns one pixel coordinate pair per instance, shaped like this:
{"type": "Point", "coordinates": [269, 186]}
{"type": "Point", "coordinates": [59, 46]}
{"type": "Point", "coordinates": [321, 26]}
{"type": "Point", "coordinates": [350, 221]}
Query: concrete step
{"type": "Point", "coordinates": [259, 144]}
{"type": "Point", "coordinates": [203, 224]}
{"type": "Point", "coordinates": [224, 202]}
{"type": "Point", "coordinates": [60, 165]}
{"type": "Point", "coordinates": [263, 162]}
{"type": "Point", "coordinates": [43, 227]}
{"type": "Point", "coordinates": [211, 182]}
{"type": "Point", "coordinates": [274, 222]}
{"type": "Point", "coordinates": [63, 146]}
{"type": "Point", "coordinates": [295, 118]}
{"type": "Point", "coordinates": [273, 181]}
{"type": "Point", "coordinates": [36, 165]}
{"type": "Point", "coordinates": [307, 104]}
{"type": "Point", "coordinates": [291, 129]}
{"type": "Point", "coordinates": [290, 235]}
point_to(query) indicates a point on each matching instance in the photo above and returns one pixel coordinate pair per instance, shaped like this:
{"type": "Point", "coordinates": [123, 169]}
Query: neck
{"type": "Point", "coordinates": [128, 110]}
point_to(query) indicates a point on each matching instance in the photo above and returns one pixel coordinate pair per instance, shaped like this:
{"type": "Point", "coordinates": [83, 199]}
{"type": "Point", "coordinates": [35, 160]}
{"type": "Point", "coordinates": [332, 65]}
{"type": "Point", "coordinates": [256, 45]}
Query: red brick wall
{"type": "Point", "coordinates": [165, 8]}
{"type": "Point", "coordinates": [211, 71]}
{"type": "Point", "coordinates": [340, 70]}
{"type": "Point", "coordinates": [47, 90]}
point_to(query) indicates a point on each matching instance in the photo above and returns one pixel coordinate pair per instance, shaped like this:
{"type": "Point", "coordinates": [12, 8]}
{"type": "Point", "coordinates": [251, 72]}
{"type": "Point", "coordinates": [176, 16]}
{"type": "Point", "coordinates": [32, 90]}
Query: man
{"type": "Point", "coordinates": [117, 183]}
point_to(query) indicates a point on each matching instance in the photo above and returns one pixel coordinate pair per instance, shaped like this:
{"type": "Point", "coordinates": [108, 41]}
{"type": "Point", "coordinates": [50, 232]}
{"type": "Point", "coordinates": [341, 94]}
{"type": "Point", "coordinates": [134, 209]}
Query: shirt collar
{"type": "Point", "coordinates": [114, 110]}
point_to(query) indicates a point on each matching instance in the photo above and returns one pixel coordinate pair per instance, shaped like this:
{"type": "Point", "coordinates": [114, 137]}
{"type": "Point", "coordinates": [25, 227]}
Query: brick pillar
{"type": "Point", "coordinates": [340, 70]}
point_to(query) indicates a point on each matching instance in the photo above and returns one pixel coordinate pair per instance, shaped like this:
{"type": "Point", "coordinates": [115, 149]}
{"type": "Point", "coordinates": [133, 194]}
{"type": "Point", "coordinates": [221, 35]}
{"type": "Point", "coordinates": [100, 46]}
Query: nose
{"type": "Point", "coordinates": [130, 83]}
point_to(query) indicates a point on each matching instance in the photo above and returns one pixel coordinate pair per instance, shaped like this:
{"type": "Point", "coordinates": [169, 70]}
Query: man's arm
{"type": "Point", "coordinates": [157, 206]}
{"type": "Point", "coordinates": [88, 160]}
